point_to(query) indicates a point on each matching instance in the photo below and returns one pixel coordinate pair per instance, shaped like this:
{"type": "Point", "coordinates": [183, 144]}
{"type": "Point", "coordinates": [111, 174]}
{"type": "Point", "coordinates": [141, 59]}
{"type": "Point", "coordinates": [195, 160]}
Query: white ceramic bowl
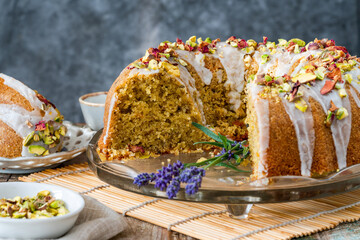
{"type": "Point", "coordinates": [39, 228]}
{"type": "Point", "coordinates": [93, 107]}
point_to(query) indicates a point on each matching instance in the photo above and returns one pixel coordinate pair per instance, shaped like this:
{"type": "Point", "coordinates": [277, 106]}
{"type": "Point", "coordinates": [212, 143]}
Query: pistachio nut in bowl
{"type": "Point", "coordinates": [51, 210]}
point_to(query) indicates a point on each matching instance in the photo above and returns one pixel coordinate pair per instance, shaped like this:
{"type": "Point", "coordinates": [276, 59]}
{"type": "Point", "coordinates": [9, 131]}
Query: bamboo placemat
{"type": "Point", "coordinates": [210, 221]}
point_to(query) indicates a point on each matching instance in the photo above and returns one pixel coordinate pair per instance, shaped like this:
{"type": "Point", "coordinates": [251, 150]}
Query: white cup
{"type": "Point", "coordinates": [93, 106]}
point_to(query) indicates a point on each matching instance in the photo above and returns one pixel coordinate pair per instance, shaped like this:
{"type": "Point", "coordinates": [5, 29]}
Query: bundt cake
{"type": "Point", "coordinates": [30, 125]}
{"type": "Point", "coordinates": [296, 103]}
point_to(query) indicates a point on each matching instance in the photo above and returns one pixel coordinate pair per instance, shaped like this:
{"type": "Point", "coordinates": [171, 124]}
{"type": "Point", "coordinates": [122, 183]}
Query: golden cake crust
{"type": "Point", "coordinates": [10, 142]}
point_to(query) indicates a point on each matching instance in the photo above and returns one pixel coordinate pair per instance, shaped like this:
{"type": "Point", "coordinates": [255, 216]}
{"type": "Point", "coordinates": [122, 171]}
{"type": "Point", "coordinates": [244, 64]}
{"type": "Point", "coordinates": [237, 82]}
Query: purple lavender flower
{"type": "Point", "coordinates": [163, 177]}
{"type": "Point", "coordinates": [178, 167]}
{"type": "Point", "coordinates": [171, 176]}
{"type": "Point", "coordinates": [235, 143]}
{"type": "Point", "coordinates": [193, 184]}
{"type": "Point", "coordinates": [173, 188]}
{"type": "Point", "coordinates": [222, 152]}
{"type": "Point", "coordinates": [188, 173]}
{"type": "Point", "coordinates": [144, 179]}
{"type": "Point", "coordinates": [230, 155]}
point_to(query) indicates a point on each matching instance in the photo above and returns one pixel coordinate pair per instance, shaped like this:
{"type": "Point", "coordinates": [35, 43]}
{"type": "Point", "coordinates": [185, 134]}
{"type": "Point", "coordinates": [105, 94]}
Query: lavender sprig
{"type": "Point", "coordinates": [231, 156]}
{"type": "Point", "coordinates": [169, 178]}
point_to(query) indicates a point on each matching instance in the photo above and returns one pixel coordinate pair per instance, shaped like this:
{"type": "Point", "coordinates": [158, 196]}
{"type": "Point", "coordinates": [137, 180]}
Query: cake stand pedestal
{"type": "Point", "coordinates": [238, 211]}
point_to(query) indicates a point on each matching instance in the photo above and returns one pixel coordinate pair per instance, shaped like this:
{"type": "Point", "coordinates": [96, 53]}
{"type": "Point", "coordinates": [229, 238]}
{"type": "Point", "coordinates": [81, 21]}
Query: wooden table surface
{"type": "Point", "coordinates": [138, 229]}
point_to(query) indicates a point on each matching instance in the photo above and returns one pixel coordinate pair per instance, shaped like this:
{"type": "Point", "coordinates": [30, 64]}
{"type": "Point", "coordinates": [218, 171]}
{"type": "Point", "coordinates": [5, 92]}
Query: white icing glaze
{"type": "Point", "coordinates": [142, 71]}
{"type": "Point", "coordinates": [232, 60]}
{"type": "Point", "coordinates": [263, 123]}
{"type": "Point", "coordinates": [29, 94]}
{"type": "Point", "coordinates": [304, 127]}
{"type": "Point", "coordinates": [111, 108]}
{"type": "Point", "coordinates": [197, 61]}
{"type": "Point", "coordinates": [340, 129]}
{"type": "Point", "coordinates": [281, 62]}
{"type": "Point", "coordinates": [355, 96]}
{"type": "Point", "coordinates": [187, 80]}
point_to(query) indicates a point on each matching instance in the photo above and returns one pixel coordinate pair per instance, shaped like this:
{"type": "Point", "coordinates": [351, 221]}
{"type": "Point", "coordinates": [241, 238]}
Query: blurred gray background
{"type": "Point", "coordinates": [68, 48]}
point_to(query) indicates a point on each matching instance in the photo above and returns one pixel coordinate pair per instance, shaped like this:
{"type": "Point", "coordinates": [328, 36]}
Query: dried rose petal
{"type": "Point", "coordinates": [313, 46]}
{"type": "Point", "coordinates": [294, 91]}
{"type": "Point", "coordinates": [333, 107]}
{"type": "Point", "coordinates": [214, 42]}
{"type": "Point", "coordinates": [204, 47]}
{"type": "Point", "coordinates": [40, 126]}
{"type": "Point", "coordinates": [136, 149]}
{"type": "Point", "coordinates": [230, 39]}
{"type": "Point", "coordinates": [330, 43]}
{"type": "Point", "coordinates": [260, 79]}
{"type": "Point", "coordinates": [163, 47]}
{"type": "Point", "coordinates": [328, 87]}
{"type": "Point", "coordinates": [287, 77]}
{"type": "Point", "coordinates": [242, 44]}
{"type": "Point", "coordinates": [44, 100]}
{"type": "Point", "coordinates": [341, 48]}
{"type": "Point", "coordinates": [335, 74]}
{"type": "Point", "coordinates": [265, 39]}
{"type": "Point", "coordinates": [179, 41]}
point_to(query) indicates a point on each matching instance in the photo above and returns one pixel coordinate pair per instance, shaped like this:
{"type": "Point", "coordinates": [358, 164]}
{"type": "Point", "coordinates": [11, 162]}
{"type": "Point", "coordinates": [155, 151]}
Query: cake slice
{"type": "Point", "coordinates": [30, 125]}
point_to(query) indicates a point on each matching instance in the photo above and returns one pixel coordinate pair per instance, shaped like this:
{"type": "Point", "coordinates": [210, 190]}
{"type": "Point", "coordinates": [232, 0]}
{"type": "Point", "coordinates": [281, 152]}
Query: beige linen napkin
{"type": "Point", "coordinates": [96, 222]}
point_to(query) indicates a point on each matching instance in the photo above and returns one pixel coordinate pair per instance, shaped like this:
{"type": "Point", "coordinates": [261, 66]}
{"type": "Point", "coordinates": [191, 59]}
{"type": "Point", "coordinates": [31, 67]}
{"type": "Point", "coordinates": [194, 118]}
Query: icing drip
{"type": "Point", "coordinates": [304, 128]}
{"type": "Point", "coordinates": [189, 82]}
{"type": "Point", "coordinates": [197, 61]}
{"type": "Point", "coordinates": [340, 129]}
{"type": "Point", "coordinates": [232, 60]}
{"type": "Point", "coordinates": [262, 112]}
{"type": "Point", "coordinates": [355, 96]}
{"type": "Point", "coordinates": [112, 103]}
{"type": "Point", "coordinates": [355, 83]}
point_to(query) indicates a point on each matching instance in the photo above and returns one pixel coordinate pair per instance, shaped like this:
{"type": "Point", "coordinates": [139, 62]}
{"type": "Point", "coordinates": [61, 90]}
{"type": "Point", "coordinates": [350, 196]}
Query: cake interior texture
{"type": "Point", "coordinates": [296, 103]}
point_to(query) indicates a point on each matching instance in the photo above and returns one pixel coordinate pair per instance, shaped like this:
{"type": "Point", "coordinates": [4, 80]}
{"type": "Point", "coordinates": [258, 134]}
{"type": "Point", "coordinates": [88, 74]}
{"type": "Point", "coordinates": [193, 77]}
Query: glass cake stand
{"type": "Point", "coordinates": [221, 185]}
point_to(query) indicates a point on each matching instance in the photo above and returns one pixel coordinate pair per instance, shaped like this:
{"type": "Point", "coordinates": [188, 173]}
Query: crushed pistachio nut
{"type": "Point", "coordinates": [341, 113]}
{"type": "Point", "coordinates": [329, 118]}
{"type": "Point", "coordinates": [301, 105]}
{"type": "Point", "coordinates": [182, 62]}
{"type": "Point", "coordinates": [43, 205]}
{"type": "Point", "coordinates": [28, 139]}
{"type": "Point", "coordinates": [264, 58]}
{"type": "Point", "coordinates": [282, 42]}
{"type": "Point", "coordinates": [268, 78]}
{"type": "Point", "coordinates": [304, 77]}
{"type": "Point", "coordinates": [342, 93]}
{"type": "Point", "coordinates": [348, 78]}
{"type": "Point", "coordinates": [320, 73]}
{"type": "Point", "coordinates": [37, 150]}
{"type": "Point", "coordinates": [297, 41]}
{"type": "Point", "coordinates": [153, 64]}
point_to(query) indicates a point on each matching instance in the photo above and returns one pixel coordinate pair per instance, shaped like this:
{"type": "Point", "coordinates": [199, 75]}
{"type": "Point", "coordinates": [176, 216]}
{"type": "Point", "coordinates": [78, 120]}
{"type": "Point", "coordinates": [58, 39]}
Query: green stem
{"type": "Point", "coordinates": [216, 161]}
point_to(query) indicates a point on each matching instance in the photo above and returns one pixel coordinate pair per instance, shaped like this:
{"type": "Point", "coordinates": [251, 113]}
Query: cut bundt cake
{"type": "Point", "coordinates": [296, 103]}
{"type": "Point", "coordinates": [30, 125]}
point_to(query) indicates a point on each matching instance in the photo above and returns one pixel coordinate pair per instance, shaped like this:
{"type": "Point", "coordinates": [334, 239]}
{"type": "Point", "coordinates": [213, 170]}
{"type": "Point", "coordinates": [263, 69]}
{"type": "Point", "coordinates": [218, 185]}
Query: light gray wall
{"type": "Point", "coordinates": [67, 48]}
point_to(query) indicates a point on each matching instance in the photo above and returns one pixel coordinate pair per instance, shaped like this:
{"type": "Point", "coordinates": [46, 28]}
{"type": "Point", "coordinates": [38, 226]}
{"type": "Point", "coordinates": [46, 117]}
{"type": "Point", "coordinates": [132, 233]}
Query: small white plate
{"type": "Point", "coordinates": [75, 142]}
{"type": "Point", "coordinates": [40, 228]}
